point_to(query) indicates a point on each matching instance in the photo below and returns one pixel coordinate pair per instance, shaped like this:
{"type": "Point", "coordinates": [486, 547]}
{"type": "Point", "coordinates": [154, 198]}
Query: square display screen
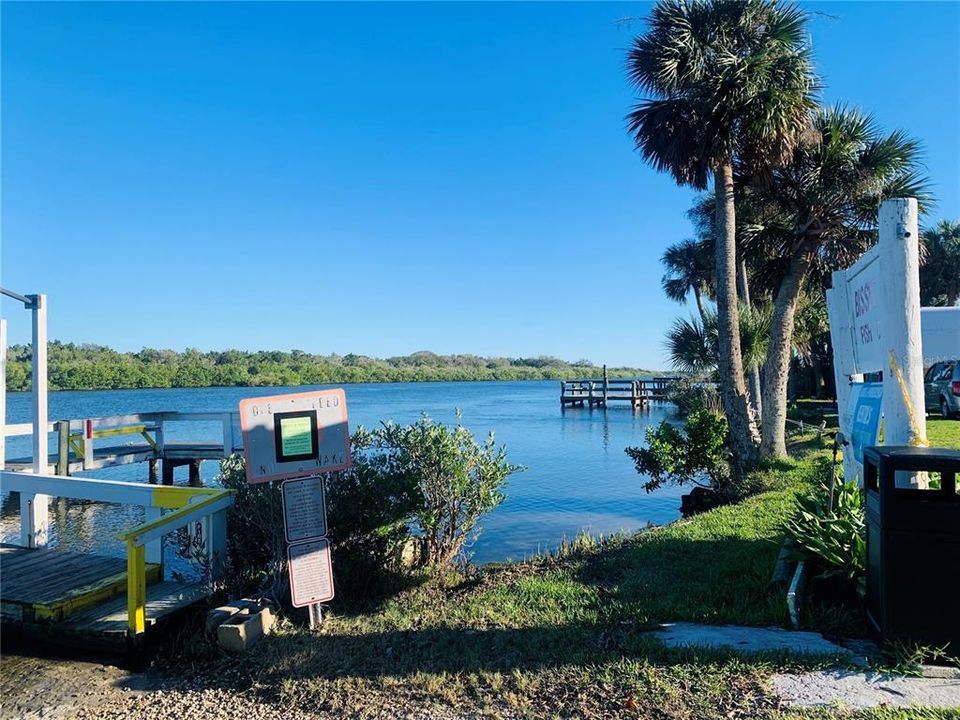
{"type": "Point", "coordinates": [295, 434]}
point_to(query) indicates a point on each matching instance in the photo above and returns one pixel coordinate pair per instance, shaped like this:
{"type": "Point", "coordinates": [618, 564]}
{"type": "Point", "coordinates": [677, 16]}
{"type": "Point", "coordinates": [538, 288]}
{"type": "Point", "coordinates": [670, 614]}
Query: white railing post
{"type": "Point", "coordinates": [34, 517]}
{"type": "Point", "coordinates": [3, 393]}
{"type": "Point", "coordinates": [227, 434]}
{"type": "Point", "coordinates": [154, 548]}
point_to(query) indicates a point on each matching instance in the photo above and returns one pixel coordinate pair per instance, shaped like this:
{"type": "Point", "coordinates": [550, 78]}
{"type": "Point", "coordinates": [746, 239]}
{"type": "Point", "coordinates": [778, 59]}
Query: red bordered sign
{"type": "Point", "coordinates": [311, 572]}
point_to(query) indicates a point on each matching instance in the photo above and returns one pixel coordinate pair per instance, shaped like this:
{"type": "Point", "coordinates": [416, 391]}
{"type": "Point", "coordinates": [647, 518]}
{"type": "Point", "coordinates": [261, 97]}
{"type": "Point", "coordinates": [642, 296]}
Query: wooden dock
{"type": "Point", "coordinates": [85, 600]}
{"type": "Point", "coordinates": [599, 392]}
{"type": "Point", "coordinates": [94, 443]}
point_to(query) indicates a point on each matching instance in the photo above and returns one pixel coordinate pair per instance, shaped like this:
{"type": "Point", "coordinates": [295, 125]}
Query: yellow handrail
{"type": "Point", "coordinates": [136, 553]}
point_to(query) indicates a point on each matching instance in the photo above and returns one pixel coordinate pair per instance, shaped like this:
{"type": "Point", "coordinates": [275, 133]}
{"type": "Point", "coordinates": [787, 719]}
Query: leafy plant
{"type": "Point", "coordinates": [368, 509]}
{"type": "Point", "coordinates": [833, 536]}
{"type": "Point", "coordinates": [458, 480]}
{"type": "Point", "coordinates": [689, 394]}
{"type": "Point", "coordinates": [695, 453]}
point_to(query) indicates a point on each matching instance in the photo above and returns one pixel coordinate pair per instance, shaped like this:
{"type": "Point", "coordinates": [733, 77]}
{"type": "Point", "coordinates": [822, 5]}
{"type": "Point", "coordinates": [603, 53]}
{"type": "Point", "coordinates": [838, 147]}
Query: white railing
{"type": "Point", "coordinates": [145, 542]}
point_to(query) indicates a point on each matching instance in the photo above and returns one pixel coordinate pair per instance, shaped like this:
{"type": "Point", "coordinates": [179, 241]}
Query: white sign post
{"type": "Point", "coordinates": [874, 309]}
{"type": "Point", "coordinates": [294, 438]}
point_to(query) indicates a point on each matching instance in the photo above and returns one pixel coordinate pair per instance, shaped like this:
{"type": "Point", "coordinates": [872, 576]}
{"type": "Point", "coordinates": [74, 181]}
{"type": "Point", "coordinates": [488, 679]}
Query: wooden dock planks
{"type": "Point", "coordinates": [110, 618]}
{"type": "Point", "coordinates": [38, 584]}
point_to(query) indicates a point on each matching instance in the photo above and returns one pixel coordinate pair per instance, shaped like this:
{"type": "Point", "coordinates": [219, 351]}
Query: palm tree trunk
{"type": "Point", "coordinates": [698, 296]}
{"type": "Point", "coordinates": [776, 370]}
{"type": "Point", "coordinates": [753, 372]}
{"type": "Point", "coordinates": [743, 431]}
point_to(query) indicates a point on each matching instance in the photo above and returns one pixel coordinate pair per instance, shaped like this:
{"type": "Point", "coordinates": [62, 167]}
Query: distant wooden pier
{"type": "Point", "coordinates": [599, 392]}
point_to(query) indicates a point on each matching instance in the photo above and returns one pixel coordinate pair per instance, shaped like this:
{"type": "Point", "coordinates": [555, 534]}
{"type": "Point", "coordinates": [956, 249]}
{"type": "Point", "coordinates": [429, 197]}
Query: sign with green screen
{"type": "Point", "coordinates": [295, 434]}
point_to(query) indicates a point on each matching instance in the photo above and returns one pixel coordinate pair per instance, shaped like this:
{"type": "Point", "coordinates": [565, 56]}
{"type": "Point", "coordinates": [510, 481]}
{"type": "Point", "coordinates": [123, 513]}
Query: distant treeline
{"type": "Point", "coordinates": [94, 367]}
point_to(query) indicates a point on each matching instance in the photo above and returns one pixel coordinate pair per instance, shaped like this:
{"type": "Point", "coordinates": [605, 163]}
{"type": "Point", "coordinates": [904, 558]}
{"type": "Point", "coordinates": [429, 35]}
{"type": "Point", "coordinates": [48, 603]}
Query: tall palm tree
{"type": "Point", "coordinates": [727, 80]}
{"type": "Point", "coordinates": [940, 272]}
{"type": "Point", "coordinates": [818, 213]}
{"type": "Point", "coordinates": [688, 270]}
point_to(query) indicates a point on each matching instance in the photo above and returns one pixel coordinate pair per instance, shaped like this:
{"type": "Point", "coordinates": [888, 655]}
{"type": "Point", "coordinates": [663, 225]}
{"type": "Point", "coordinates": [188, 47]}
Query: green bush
{"type": "Point", "coordinates": [424, 478]}
{"type": "Point", "coordinates": [695, 453]}
{"type": "Point", "coordinates": [368, 507]}
{"type": "Point", "coordinates": [835, 538]}
{"type": "Point", "coordinates": [458, 480]}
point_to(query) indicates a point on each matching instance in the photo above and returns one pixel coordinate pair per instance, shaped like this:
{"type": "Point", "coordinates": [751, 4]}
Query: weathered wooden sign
{"type": "Point", "coordinates": [304, 509]}
{"type": "Point", "coordinates": [311, 574]}
{"type": "Point", "coordinates": [295, 435]}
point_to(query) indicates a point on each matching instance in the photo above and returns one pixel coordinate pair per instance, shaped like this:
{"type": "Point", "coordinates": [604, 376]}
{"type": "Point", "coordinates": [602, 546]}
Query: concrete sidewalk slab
{"type": "Point", "coordinates": [747, 639]}
{"type": "Point", "coordinates": [865, 690]}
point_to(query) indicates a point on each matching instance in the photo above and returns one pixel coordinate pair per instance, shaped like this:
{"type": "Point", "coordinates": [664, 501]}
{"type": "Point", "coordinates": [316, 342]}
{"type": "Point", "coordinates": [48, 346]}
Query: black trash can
{"type": "Point", "coordinates": [913, 547]}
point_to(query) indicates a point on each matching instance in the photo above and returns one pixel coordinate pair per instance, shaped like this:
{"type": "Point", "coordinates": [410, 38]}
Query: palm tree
{"type": "Point", "coordinates": [818, 213]}
{"type": "Point", "coordinates": [688, 270]}
{"type": "Point", "coordinates": [940, 272]}
{"type": "Point", "coordinates": [694, 344]}
{"type": "Point", "coordinates": [727, 81]}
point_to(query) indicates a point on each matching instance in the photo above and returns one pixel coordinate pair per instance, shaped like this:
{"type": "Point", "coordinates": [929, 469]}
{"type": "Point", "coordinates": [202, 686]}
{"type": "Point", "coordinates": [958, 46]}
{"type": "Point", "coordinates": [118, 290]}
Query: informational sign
{"type": "Point", "coordinates": [867, 401]}
{"type": "Point", "coordinates": [295, 435]}
{"type": "Point", "coordinates": [304, 509]}
{"type": "Point", "coordinates": [311, 574]}
{"type": "Point", "coordinates": [864, 288]}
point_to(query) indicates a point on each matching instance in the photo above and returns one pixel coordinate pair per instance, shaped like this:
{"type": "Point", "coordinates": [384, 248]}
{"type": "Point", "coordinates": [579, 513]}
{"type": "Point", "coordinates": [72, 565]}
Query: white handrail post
{"type": "Point", "coordinates": [3, 393]}
{"type": "Point", "coordinates": [154, 548]}
{"type": "Point", "coordinates": [34, 519]}
{"type": "Point", "coordinates": [227, 421]}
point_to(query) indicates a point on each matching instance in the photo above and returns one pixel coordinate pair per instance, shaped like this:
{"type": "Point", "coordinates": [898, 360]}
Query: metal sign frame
{"type": "Point", "coordinates": [262, 449]}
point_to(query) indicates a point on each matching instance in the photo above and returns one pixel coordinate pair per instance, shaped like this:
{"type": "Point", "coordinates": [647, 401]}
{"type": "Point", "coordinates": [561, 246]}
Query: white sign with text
{"type": "Point", "coordinates": [304, 509]}
{"type": "Point", "coordinates": [311, 573]}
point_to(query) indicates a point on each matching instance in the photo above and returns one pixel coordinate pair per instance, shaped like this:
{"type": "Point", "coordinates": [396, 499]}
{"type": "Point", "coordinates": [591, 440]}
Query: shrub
{"type": "Point", "coordinates": [835, 538]}
{"type": "Point", "coordinates": [368, 508]}
{"type": "Point", "coordinates": [689, 394]}
{"type": "Point", "coordinates": [458, 480]}
{"type": "Point", "coordinates": [695, 453]}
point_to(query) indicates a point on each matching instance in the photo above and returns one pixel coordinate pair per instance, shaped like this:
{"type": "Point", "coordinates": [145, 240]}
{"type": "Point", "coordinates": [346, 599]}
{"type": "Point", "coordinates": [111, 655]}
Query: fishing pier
{"type": "Point", "coordinates": [639, 393]}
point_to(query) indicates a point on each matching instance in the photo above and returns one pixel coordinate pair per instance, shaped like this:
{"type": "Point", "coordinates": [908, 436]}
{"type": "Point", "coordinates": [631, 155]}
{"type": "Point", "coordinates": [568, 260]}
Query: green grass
{"type": "Point", "coordinates": [563, 635]}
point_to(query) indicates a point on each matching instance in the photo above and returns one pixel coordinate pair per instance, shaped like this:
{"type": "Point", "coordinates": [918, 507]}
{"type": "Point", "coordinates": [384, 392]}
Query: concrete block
{"type": "Point", "coordinates": [244, 630]}
{"type": "Point", "coordinates": [218, 616]}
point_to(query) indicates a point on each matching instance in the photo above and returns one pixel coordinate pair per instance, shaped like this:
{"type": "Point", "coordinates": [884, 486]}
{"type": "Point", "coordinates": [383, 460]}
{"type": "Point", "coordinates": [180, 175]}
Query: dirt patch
{"type": "Point", "coordinates": [33, 687]}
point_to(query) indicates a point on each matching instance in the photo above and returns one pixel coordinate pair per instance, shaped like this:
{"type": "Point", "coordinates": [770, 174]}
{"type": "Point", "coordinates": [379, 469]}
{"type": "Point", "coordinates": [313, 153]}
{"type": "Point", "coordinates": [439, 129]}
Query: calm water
{"type": "Point", "coordinates": [578, 476]}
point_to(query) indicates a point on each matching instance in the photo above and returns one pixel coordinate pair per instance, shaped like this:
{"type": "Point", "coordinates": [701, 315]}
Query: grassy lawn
{"type": "Point", "coordinates": [562, 635]}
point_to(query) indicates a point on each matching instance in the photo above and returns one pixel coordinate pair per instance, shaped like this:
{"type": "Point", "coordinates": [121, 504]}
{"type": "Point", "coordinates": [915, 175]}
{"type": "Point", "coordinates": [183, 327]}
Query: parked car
{"type": "Point", "coordinates": [941, 388]}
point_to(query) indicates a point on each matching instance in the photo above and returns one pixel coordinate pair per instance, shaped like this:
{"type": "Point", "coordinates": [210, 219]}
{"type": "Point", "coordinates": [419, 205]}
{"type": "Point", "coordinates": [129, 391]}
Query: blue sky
{"type": "Point", "coordinates": [378, 178]}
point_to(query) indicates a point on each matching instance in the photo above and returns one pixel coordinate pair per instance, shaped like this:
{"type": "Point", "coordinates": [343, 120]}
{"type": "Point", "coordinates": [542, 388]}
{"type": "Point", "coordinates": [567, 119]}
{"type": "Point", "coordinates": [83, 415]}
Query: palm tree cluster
{"type": "Point", "coordinates": [730, 95]}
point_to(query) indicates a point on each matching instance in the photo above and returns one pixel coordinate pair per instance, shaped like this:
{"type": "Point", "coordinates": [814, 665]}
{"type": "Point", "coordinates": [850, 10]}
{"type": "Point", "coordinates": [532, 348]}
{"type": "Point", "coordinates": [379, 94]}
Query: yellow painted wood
{"type": "Point", "coordinates": [76, 442]}
{"type": "Point", "coordinates": [128, 430]}
{"type": "Point", "coordinates": [136, 589]}
{"type": "Point", "coordinates": [171, 519]}
{"type": "Point", "coordinates": [80, 598]}
{"type": "Point", "coordinates": [168, 496]}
